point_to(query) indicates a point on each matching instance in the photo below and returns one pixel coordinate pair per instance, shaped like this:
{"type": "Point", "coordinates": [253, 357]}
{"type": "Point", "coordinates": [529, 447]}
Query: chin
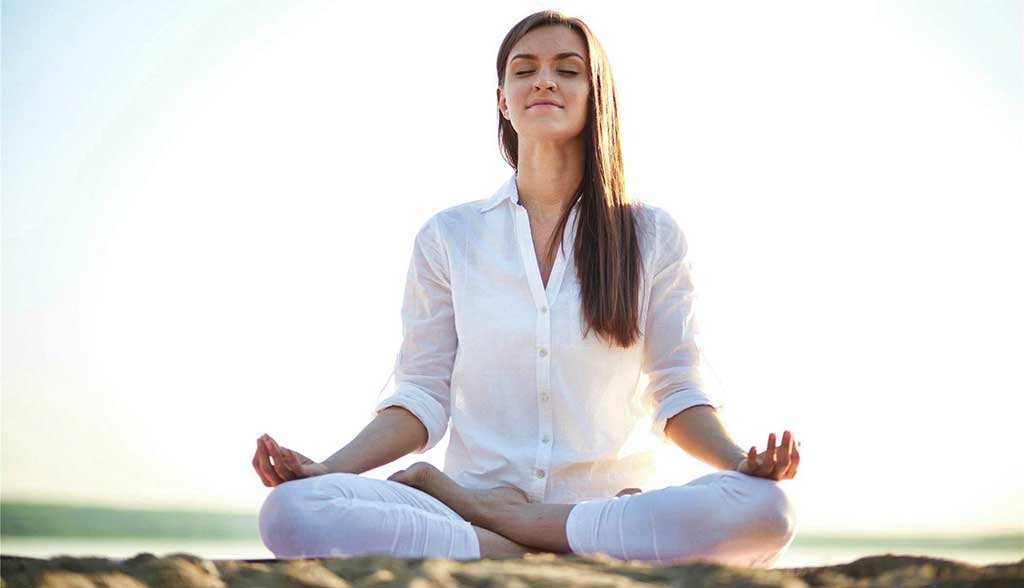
{"type": "Point", "coordinates": [550, 134]}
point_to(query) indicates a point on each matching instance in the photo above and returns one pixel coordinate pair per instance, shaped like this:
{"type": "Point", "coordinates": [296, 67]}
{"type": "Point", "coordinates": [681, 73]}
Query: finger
{"type": "Point", "coordinates": [256, 466]}
{"type": "Point", "coordinates": [781, 465]}
{"type": "Point", "coordinates": [265, 467]}
{"type": "Point", "coordinates": [271, 464]}
{"type": "Point", "coordinates": [793, 464]}
{"type": "Point", "coordinates": [769, 458]}
{"type": "Point", "coordinates": [783, 454]}
{"type": "Point", "coordinates": [286, 463]}
{"type": "Point", "coordinates": [292, 461]}
{"type": "Point", "coordinates": [752, 458]}
{"type": "Point", "coordinates": [288, 460]}
{"type": "Point", "coordinates": [279, 466]}
{"type": "Point", "coordinates": [794, 451]}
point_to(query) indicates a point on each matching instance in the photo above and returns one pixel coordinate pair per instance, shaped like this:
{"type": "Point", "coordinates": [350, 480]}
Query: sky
{"type": "Point", "coordinates": [209, 209]}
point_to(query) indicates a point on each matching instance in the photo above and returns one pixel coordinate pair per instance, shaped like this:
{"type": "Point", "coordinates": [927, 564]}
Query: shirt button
{"type": "Point", "coordinates": [540, 473]}
{"type": "Point", "coordinates": [543, 352]}
{"type": "Point", "coordinates": [546, 439]}
{"type": "Point", "coordinates": [544, 310]}
{"type": "Point", "coordinates": [544, 396]}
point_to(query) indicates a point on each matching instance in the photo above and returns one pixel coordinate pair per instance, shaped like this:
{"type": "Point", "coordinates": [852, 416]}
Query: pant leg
{"type": "Point", "coordinates": [346, 514]}
{"type": "Point", "coordinates": [725, 516]}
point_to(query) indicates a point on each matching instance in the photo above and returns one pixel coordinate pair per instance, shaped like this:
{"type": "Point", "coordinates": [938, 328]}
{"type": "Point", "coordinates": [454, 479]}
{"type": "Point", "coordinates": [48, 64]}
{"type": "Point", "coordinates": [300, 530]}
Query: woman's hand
{"type": "Point", "coordinates": [777, 463]}
{"type": "Point", "coordinates": [287, 464]}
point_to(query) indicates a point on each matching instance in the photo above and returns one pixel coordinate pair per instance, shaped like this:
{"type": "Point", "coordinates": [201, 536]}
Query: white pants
{"type": "Point", "coordinates": [725, 516]}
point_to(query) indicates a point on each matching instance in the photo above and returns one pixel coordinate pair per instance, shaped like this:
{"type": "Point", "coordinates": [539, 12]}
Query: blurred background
{"type": "Point", "coordinates": [209, 207]}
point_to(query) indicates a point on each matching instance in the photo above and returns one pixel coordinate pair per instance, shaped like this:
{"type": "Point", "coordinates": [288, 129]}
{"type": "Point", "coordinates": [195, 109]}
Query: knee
{"type": "Point", "coordinates": [282, 517]}
{"type": "Point", "coordinates": [732, 517]}
{"type": "Point", "coordinates": [772, 512]}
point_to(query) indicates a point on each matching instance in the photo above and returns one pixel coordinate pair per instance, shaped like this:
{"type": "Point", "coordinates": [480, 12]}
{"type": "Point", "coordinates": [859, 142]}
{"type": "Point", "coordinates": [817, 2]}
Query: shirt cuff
{"type": "Point", "coordinates": [426, 409]}
{"type": "Point", "coordinates": [676, 403]}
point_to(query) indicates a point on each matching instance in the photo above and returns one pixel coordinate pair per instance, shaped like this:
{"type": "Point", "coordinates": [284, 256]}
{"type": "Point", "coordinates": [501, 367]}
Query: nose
{"type": "Point", "coordinates": [544, 83]}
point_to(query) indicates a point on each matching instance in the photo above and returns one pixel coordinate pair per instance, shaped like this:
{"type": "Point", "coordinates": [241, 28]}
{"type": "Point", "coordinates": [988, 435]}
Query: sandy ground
{"type": "Point", "coordinates": [182, 570]}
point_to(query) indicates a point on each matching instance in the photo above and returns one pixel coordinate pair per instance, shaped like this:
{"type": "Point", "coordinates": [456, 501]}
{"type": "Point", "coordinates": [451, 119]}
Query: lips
{"type": "Point", "coordinates": [543, 102]}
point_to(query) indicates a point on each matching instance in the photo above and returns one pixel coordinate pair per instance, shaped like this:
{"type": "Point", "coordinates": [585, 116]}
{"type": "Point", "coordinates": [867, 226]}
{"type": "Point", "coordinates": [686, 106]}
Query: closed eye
{"type": "Point", "coordinates": [572, 73]}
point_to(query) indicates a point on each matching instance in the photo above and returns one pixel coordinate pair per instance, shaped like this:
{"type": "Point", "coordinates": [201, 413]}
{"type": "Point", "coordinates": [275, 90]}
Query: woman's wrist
{"type": "Point", "coordinates": [323, 468]}
{"type": "Point", "coordinates": [739, 459]}
{"type": "Point", "coordinates": [337, 464]}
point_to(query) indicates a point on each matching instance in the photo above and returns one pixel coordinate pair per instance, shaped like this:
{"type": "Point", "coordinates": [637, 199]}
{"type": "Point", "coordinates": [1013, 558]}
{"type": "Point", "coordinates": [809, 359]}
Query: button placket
{"type": "Point", "coordinates": [543, 296]}
{"type": "Point", "coordinates": [544, 450]}
{"type": "Point", "coordinates": [544, 412]}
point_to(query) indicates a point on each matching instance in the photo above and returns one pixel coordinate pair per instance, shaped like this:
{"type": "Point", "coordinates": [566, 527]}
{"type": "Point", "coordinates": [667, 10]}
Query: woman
{"type": "Point", "coordinates": [534, 356]}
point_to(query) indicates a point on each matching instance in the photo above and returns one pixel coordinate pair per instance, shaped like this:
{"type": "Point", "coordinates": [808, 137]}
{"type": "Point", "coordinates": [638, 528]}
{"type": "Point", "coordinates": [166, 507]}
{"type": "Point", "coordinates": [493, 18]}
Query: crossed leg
{"type": "Point", "coordinates": [726, 516]}
{"type": "Point", "coordinates": [505, 510]}
{"type": "Point", "coordinates": [346, 514]}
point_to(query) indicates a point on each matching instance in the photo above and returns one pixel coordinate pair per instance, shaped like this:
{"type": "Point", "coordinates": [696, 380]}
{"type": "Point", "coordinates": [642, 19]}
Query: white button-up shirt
{"type": "Point", "coordinates": [531, 402]}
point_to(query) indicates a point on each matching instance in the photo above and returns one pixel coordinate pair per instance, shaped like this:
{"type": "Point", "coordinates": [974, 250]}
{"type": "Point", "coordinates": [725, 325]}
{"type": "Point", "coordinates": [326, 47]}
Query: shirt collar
{"type": "Point", "coordinates": [507, 191]}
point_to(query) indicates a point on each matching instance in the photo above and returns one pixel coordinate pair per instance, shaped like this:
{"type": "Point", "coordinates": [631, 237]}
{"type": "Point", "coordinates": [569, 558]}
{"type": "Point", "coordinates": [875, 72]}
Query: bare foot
{"type": "Point", "coordinates": [472, 504]}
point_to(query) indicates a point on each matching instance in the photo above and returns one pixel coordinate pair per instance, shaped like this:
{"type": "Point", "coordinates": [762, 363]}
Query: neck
{"type": "Point", "coordinates": [547, 177]}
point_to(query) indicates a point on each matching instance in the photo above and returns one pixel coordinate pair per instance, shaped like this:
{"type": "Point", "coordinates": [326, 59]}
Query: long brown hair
{"type": "Point", "coordinates": [607, 251]}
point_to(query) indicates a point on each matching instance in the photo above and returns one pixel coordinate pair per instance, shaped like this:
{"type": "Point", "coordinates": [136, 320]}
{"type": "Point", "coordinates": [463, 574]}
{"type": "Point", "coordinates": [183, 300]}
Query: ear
{"type": "Point", "coordinates": [502, 106]}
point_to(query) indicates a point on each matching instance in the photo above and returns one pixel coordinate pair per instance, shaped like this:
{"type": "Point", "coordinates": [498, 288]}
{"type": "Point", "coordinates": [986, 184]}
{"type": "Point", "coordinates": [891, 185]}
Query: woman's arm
{"type": "Point", "coordinates": [671, 357]}
{"type": "Point", "coordinates": [395, 432]}
{"type": "Point", "coordinates": [426, 359]}
{"type": "Point", "coordinates": [700, 432]}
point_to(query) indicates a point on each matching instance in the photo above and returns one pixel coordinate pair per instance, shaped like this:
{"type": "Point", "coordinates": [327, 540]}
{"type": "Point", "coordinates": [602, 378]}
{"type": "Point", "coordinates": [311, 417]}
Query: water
{"type": "Point", "coordinates": [801, 556]}
{"type": "Point", "coordinates": [47, 547]}
{"type": "Point", "coordinates": [796, 556]}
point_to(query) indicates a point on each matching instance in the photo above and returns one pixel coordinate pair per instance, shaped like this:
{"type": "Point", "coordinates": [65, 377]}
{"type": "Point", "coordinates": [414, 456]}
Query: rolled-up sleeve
{"type": "Point", "coordinates": [671, 358]}
{"type": "Point", "coordinates": [423, 369]}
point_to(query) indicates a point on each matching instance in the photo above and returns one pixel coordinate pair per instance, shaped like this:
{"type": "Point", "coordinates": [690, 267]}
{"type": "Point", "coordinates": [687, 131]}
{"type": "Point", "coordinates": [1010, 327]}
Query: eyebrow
{"type": "Point", "coordinates": [557, 57]}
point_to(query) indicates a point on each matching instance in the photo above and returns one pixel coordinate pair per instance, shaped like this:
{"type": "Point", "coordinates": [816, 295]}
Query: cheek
{"type": "Point", "coordinates": [517, 90]}
{"type": "Point", "coordinates": [580, 95]}
{"type": "Point", "coordinates": [516, 103]}
{"type": "Point", "coordinates": [582, 105]}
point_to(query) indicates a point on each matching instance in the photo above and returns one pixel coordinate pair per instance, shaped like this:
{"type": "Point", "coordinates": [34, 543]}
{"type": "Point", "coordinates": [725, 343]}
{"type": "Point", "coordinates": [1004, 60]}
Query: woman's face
{"type": "Point", "coordinates": [548, 64]}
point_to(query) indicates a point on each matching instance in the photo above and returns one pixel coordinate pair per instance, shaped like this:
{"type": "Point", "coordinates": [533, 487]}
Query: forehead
{"type": "Point", "coordinates": [547, 41]}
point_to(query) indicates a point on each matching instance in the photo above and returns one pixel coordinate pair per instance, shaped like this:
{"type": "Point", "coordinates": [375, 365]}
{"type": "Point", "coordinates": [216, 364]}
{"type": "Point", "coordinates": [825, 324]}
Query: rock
{"type": "Point", "coordinates": [539, 570]}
